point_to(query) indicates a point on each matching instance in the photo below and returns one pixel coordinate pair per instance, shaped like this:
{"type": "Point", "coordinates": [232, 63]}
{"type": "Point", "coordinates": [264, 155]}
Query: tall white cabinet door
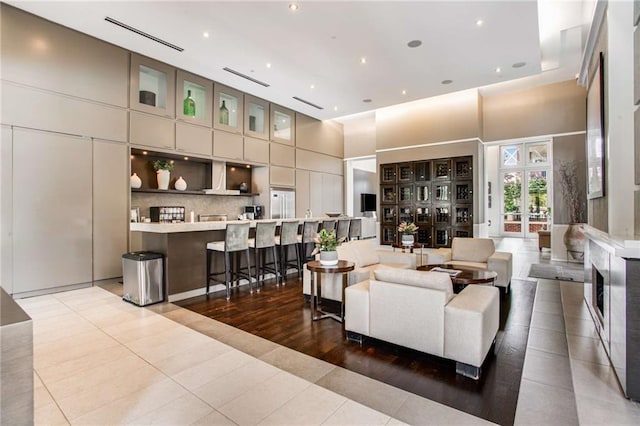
{"type": "Point", "coordinates": [51, 210]}
{"type": "Point", "coordinates": [316, 193]}
{"type": "Point", "coordinates": [302, 192]}
{"type": "Point", "coordinates": [110, 199]}
{"type": "Point", "coordinates": [6, 211]}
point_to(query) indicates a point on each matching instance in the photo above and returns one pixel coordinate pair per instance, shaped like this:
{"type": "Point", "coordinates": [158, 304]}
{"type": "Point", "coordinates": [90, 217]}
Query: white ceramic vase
{"type": "Point", "coordinates": [573, 239]}
{"type": "Point", "coordinates": [164, 176]}
{"type": "Point", "coordinates": [180, 184]}
{"type": "Point", "coordinates": [329, 258]}
{"type": "Point", "coordinates": [136, 182]}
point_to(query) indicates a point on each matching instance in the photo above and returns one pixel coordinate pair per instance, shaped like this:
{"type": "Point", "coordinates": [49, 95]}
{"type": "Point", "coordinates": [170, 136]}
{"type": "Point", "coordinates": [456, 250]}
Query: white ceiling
{"type": "Point", "coordinates": [323, 42]}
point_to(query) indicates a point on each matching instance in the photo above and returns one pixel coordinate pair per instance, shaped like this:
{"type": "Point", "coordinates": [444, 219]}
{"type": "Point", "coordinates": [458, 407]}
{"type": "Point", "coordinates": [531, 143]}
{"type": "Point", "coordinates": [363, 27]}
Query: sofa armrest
{"type": "Point", "coordinates": [356, 308]}
{"type": "Point", "coordinates": [502, 263]}
{"type": "Point", "coordinates": [390, 257]}
{"type": "Point", "coordinates": [471, 323]}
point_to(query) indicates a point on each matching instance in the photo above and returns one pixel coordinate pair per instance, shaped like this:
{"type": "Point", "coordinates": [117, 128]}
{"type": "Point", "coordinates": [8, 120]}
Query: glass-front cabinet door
{"type": "Point", "coordinates": [256, 117]}
{"type": "Point", "coordinates": [442, 169]}
{"type": "Point", "coordinates": [194, 96]}
{"type": "Point", "coordinates": [405, 172]}
{"type": "Point", "coordinates": [388, 194]}
{"type": "Point", "coordinates": [423, 192]}
{"type": "Point", "coordinates": [283, 125]}
{"type": "Point", "coordinates": [228, 109]}
{"type": "Point", "coordinates": [152, 86]}
{"type": "Point", "coordinates": [387, 173]}
{"type": "Point", "coordinates": [405, 194]}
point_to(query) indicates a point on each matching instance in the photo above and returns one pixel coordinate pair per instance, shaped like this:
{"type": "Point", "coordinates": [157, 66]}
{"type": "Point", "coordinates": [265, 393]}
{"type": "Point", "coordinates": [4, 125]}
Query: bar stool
{"type": "Point", "coordinates": [309, 233]}
{"type": "Point", "coordinates": [288, 237]}
{"type": "Point", "coordinates": [236, 239]}
{"type": "Point", "coordinates": [355, 229]}
{"type": "Point", "coordinates": [329, 225]}
{"type": "Point", "coordinates": [343, 229]}
{"type": "Point", "coordinates": [265, 239]}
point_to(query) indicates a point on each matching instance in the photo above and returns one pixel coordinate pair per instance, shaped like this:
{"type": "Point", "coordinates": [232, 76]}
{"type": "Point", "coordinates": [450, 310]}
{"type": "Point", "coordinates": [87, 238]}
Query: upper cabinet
{"type": "Point", "coordinates": [152, 86]}
{"type": "Point", "coordinates": [193, 99]}
{"type": "Point", "coordinates": [283, 125]}
{"type": "Point", "coordinates": [228, 107]}
{"type": "Point", "coordinates": [256, 117]}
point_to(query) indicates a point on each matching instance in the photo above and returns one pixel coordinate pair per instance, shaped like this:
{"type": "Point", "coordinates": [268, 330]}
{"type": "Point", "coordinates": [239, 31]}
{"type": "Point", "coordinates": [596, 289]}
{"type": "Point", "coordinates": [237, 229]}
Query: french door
{"type": "Point", "coordinates": [525, 183]}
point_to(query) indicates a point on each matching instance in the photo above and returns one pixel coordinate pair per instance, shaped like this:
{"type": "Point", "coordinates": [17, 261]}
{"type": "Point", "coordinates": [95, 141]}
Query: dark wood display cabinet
{"type": "Point", "coordinates": [435, 194]}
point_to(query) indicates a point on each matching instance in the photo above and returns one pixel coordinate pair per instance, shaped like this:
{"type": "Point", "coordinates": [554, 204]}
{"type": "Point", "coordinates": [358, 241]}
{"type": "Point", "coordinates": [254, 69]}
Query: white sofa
{"type": "Point", "coordinates": [479, 253]}
{"type": "Point", "coordinates": [418, 310]}
{"type": "Point", "coordinates": [366, 258]}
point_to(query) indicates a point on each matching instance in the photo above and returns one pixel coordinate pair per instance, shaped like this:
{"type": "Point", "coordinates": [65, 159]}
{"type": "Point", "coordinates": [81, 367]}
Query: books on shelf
{"type": "Point", "coordinates": [451, 272]}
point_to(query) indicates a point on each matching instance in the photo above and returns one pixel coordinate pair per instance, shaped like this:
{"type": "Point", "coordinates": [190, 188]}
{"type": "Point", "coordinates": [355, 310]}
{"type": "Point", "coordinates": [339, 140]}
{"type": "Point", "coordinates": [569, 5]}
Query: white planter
{"type": "Point", "coordinates": [180, 184]}
{"type": "Point", "coordinates": [407, 239]}
{"type": "Point", "coordinates": [329, 258]}
{"type": "Point", "coordinates": [136, 182]}
{"type": "Point", "coordinates": [164, 176]}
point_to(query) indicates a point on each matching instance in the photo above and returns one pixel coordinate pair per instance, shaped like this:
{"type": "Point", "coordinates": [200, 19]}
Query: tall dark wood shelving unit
{"type": "Point", "coordinates": [435, 194]}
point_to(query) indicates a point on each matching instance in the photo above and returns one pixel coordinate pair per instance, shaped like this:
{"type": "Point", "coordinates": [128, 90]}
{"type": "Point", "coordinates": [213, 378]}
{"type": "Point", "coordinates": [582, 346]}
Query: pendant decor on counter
{"type": "Point", "coordinates": [189, 105]}
{"type": "Point", "coordinates": [180, 184]}
{"type": "Point", "coordinates": [164, 176]}
{"type": "Point", "coordinates": [136, 182]}
{"type": "Point", "coordinates": [244, 188]}
{"type": "Point", "coordinates": [224, 114]}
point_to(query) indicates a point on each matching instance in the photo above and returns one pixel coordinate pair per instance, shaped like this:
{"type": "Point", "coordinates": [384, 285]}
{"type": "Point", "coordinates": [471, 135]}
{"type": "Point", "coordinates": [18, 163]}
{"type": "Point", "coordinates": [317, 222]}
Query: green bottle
{"type": "Point", "coordinates": [189, 105]}
{"type": "Point", "coordinates": [224, 114]}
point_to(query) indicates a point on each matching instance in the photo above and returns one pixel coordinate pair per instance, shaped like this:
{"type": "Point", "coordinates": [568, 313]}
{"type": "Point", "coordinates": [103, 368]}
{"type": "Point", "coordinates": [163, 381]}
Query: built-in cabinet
{"type": "Point", "coordinates": [256, 117]}
{"type": "Point", "coordinates": [153, 86]}
{"type": "Point", "coordinates": [437, 195]}
{"type": "Point", "coordinates": [318, 192]}
{"type": "Point", "coordinates": [194, 96]}
{"type": "Point", "coordinates": [228, 109]}
{"type": "Point", "coordinates": [283, 125]}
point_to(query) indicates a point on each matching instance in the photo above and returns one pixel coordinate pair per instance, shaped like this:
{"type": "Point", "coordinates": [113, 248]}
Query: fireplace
{"type": "Point", "coordinates": [598, 280]}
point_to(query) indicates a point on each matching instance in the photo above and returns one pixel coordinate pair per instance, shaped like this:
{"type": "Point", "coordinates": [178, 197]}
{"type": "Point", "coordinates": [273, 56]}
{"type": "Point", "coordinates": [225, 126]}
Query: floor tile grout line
{"type": "Point", "coordinates": [55, 401]}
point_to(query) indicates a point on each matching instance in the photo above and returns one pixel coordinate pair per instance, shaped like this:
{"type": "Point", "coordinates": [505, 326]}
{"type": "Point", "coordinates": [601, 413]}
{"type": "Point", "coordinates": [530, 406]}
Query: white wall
{"type": "Point", "coordinates": [492, 215]}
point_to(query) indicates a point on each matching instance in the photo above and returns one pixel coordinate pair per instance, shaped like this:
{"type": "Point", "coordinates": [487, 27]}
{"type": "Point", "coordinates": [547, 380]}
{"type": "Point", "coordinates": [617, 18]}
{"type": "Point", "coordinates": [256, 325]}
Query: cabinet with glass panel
{"type": "Point", "coordinates": [256, 117]}
{"type": "Point", "coordinates": [435, 194]}
{"type": "Point", "coordinates": [193, 99]}
{"type": "Point", "coordinates": [283, 125]}
{"type": "Point", "coordinates": [228, 109]}
{"type": "Point", "coordinates": [152, 86]}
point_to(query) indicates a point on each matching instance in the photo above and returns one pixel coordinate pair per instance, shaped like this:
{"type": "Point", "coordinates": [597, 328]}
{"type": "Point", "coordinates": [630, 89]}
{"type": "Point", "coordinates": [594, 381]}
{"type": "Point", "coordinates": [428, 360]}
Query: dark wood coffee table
{"type": "Point", "coordinates": [467, 275]}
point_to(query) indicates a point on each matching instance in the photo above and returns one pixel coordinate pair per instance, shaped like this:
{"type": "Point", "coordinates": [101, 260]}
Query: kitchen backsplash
{"type": "Point", "coordinates": [232, 206]}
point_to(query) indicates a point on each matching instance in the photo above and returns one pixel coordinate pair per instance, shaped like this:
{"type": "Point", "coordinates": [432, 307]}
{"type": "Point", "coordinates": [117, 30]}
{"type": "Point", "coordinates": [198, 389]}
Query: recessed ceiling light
{"type": "Point", "coordinates": [519, 64]}
{"type": "Point", "coordinates": [293, 6]}
{"type": "Point", "coordinates": [205, 34]}
{"type": "Point", "coordinates": [404, 92]}
{"type": "Point", "coordinates": [366, 101]}
{"type": "Point", "coordinates": [268, 64]}
{"type": "Point", "coordinates": [335, 108]}
{"type": "Point", "coordinates": [186, 158]}
{"type": "Point", "coordinates": [498, 69]}
{"type": "Point", "coordinates": [363, 60]}
{"type": "Point", "coordinates": [313, 86]}
{"type": "Point", "coordinates": [446, 81]}
{"type": "Point", "coordinates": [414, 43]}
{"type": "Point", "coordinates": [479, 22]}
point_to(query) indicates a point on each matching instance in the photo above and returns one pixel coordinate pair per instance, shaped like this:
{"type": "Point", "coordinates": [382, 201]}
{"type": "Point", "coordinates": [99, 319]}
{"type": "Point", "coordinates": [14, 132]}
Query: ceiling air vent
{"type": "Point", "coordinates": [307, 102]}
{"type": "Point", "coordinates": [143, 34]}
{"type": "Point", "coordinates": [239, 74]}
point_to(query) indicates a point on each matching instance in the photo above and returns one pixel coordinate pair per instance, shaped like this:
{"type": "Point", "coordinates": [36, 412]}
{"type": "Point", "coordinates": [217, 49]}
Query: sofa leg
{"type": "Point", "coordinates": [468, 370]}
{"type": "Point", "coordinates": [507, 289]}
{"type": "Point", "coordinates": [355, 337]}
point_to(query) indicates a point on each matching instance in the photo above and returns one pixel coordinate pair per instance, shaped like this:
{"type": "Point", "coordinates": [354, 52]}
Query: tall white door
{"type": "Point", "coordinates": [52, 223]}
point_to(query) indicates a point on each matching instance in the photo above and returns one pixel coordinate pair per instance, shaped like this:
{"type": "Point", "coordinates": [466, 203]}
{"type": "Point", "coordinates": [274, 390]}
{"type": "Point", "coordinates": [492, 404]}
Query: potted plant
{"type": "Point", "coordinates": [326, 243]}
{"type": "Point", "coordinates": [574, 201]}
{"type": "Point", "coordinates": [407, 229]}
{"type": "Point", "coordinates": [163, 172]}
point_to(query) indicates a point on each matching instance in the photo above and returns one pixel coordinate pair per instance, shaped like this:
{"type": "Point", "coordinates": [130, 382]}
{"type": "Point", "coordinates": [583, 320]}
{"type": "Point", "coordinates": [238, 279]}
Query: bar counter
{"type": "Point", "coordinates": [184, 246]}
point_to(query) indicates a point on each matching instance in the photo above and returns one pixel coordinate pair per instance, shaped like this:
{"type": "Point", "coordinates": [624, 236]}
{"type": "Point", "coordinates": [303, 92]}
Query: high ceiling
{"type": "Point", "coordinates": [316, 52]}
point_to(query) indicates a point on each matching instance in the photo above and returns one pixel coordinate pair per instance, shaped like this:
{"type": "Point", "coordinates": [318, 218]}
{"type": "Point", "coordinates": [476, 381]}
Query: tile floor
{"type": "Point", "coordinates": [98, 360]}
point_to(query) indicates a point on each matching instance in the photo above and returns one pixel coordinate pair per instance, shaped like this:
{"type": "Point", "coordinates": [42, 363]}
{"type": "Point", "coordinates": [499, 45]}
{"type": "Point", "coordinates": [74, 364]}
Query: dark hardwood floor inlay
{"type": "Point", "coordinates": [281, 315]}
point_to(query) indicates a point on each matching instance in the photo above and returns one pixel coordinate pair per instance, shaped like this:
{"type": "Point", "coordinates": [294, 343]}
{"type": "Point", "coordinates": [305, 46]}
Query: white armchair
{"type": "Point", "coordinates": [480, 253]}
{"type": "Point", "coordinates": [366, 258]}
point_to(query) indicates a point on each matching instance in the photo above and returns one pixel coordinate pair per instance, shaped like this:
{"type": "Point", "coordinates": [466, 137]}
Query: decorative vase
{"type": "Point", "coordinates": [574, 241]}
{"type": "Point", "coordinates": [244, 188]}
{"type": "Point", "coordinates": [224, 114]}
{"type": "Point", "coordinates": [136, 182]}
{"type": "Point", "coordinates": [164, 176]}
{"type": "Point", "coordinates": [329, 258]}
{"type": "Point", "coordinates": [189, 105]}
{"type": "Point", "coordinates": [180, 184]}
{"type": "Point", "coordinates": [407, 239]}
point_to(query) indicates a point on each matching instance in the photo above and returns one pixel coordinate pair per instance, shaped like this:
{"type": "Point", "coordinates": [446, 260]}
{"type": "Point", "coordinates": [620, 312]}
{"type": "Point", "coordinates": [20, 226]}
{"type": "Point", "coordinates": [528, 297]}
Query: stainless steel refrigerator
{"type": "Point", "coordinates": [283, 203]}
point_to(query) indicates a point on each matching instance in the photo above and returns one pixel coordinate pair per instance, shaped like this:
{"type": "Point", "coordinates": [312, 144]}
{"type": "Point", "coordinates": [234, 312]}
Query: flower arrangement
{"type": "Point", "coordinates": [326, 241]}
{"type": "Point", "coordinates": [163, 165]}
{"type": "Point", "coordinates": [407, 228]}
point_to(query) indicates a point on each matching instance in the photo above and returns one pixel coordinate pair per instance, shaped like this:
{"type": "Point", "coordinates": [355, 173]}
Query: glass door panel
{"type": "Point", "coordinates": [537, 202]}
{"type": "Point", "coordinates": [228, 109]}
{"type": "Point", "coordinates": [511, 203]}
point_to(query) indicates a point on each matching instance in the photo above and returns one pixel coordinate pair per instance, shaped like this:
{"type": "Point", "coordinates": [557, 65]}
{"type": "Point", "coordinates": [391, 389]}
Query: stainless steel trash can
{"type": "Point", "coordinates": [142, 277]}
